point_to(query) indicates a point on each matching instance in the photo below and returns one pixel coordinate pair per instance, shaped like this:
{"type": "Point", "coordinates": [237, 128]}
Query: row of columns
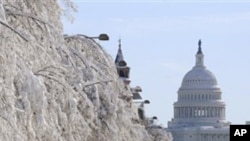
{"type": "Point", "coordinates": [199, 96]}
{"type": "Point", "coordinates": [194, 112]}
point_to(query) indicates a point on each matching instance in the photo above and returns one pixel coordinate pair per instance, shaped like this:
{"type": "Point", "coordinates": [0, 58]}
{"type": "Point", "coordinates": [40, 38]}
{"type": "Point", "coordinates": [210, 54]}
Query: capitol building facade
{"type": "Point", "coordinates": [199, 113]}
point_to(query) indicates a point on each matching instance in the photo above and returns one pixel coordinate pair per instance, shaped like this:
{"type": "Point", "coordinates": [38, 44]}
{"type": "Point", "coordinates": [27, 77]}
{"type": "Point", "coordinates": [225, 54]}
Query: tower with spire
{"type": "Point", "coordinates": [121, 66]}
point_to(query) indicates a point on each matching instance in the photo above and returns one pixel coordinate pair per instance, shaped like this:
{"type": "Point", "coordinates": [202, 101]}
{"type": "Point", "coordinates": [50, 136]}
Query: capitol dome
{"type": "Point", "coordinates": [199, 95]}
{"type": "Point", "coordinates": [199, 76]}
{"type": "Point", "coordinates": [199, 112]}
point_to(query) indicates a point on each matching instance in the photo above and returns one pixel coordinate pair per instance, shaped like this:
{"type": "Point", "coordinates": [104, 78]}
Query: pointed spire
{"type": "Point", "coordinates": [199, 49]}
{"type": "Point", "coordinates": [119, 43]}
{"type": "Point", "coordinates": [119, 55]}
{"type": "Point", "coordinates": [121, 65]}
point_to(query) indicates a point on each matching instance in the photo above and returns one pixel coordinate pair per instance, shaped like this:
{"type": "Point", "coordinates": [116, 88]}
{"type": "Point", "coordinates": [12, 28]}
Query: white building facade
{"type": "Point", "coordinates": [199, 113]}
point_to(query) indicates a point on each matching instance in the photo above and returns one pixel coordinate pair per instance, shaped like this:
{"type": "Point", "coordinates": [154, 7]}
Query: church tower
{"type": "Point", "coordinates": [121, 66]}
{"type": "Point", "coordinates": [199, 113]}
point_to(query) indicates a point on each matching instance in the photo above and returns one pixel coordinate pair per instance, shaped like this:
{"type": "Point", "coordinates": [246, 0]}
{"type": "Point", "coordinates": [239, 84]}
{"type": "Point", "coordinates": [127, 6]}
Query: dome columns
{"type": "Point", "coordinates": [188, 110]}
{"type": "Point", "coordinates": [199, 112]}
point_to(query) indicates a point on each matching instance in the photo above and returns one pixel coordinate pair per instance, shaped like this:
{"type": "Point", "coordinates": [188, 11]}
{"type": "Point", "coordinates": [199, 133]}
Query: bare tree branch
{"type": "Point", "coordinates": [27, 15]}
{"type": "Point", "coordinates": [96, 82]}
{"type": "Point", "coordinates": [14, 30]}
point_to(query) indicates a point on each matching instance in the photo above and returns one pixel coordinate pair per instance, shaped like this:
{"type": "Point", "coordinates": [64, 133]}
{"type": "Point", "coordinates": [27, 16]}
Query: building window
{"type": "Point", "coordinates": [121, 73]}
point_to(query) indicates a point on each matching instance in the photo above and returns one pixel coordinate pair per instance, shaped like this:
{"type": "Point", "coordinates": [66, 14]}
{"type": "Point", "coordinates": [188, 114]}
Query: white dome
{"type": "Point", "coordinates": [199, 77]}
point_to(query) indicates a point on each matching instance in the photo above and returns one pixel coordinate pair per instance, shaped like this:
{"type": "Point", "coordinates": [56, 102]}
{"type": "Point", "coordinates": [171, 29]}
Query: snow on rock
{"type": "Point", "coordinates": [56, 88]}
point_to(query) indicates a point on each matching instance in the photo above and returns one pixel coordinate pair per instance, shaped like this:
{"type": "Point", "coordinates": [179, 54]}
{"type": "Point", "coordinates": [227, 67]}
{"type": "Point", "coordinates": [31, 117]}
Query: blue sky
{"type": "Point", "coordinates": [159, 41]}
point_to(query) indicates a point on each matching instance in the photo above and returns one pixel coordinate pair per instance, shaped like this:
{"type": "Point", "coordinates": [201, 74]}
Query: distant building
{"type": "Point", "coordinates": [121, 66]}
{"type": "Point", "coordinates": [123, 71]}
{"type": "Point", "coordinates": [199, 113]}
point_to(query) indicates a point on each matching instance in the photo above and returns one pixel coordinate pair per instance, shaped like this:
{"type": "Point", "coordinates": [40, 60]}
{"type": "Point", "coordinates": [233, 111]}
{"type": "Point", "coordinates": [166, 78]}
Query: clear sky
{"type": "Point", "coordinates": [159, 42]}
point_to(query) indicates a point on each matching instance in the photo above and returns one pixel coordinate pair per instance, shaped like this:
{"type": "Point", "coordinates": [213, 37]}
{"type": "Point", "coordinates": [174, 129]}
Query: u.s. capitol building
{"type": "Point", "coordinates": [199, 113]}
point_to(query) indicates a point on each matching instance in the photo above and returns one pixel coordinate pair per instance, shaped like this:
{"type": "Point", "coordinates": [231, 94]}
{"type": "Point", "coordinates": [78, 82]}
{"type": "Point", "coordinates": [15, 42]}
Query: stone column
{"type": "Point", "coordinates": [216, 112]}
{"type": "Point", "coordinates": [213, 112]}
{"type": "Point", "coordinates": [210, 112]}
{"type": "Point", "coordinates": [183, 112]}
{"type": "Point", "coordinates": [189, 112]}
{"type": "Point", "coordinates": [192, 112]}
{"type": "Point", "coordinates": [203, 112]}
{"type": "Point", "coordinates": [206, 112]}
{"type": "Point", "coordinates": [220, 112]}
{"type": "Point", "coordinates": [186, 111]}
{"type": "Point", "coordinates": [179, 112]}
{"type": "Point", "coordinates": [195, 111]}
{"type": "Point", "coordinates": [175, 112]}
{"type": "Point", "coordinates": [199, 111]}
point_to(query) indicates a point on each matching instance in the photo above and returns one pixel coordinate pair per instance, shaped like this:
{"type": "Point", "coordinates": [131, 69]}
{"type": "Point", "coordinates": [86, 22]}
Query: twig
{"type": "Point", "coordinates": [82, 59]}
{"type": "Point", "coordinates": [67, 55]}
{"type": "Point", "coordinates": [12, 29]}
{"type": "Point", "coordinates": [96, 82]}
{"type": "Point", "coordinates": [49, 78]}
{"type": "Point", "coordinates": [48, 67]}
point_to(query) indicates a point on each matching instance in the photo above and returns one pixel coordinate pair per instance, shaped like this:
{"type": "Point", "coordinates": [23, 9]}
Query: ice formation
{"type": "Point", "coordinates": [59, 88]}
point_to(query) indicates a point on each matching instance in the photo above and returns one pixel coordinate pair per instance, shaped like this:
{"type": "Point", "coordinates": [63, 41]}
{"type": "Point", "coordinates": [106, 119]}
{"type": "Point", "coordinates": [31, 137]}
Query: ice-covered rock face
{"type": "Point", "coordinates": [54, 88]}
